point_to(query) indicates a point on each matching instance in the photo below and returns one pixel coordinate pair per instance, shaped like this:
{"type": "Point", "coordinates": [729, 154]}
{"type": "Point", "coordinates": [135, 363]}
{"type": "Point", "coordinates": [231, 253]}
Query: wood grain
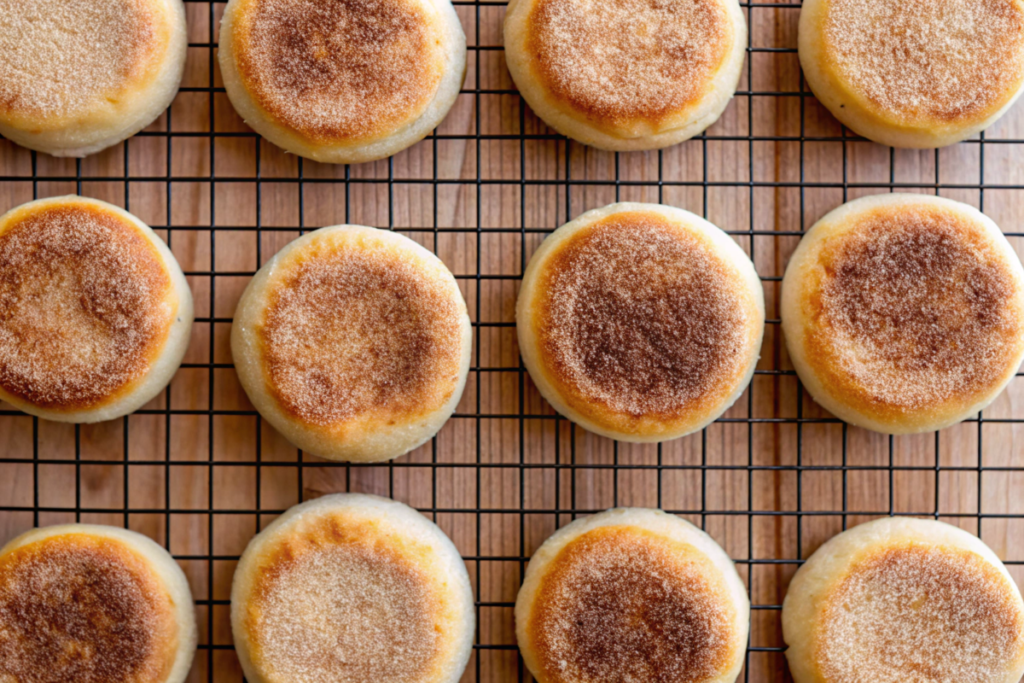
{"type": "Point", "coordinates": [198, 471]}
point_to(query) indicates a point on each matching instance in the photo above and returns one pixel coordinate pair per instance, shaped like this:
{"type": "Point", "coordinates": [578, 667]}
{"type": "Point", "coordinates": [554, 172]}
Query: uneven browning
{"type": "Point", "coordinates": [621, 604]}
{"type": "Point", "coordinates": [60, 57]}
{"type": "Point", "coordinates": [85, 305]}
{"type": "Point", "coordinates": [75, 609]}
{"type": "Point", "coordinates": [913, 309]}
{"type": "Point", "coordinates": [624, 62]}
{"type": "Point", "coordinates": [341, 601]}
{"type": "Point", "coordinates": [352, 333]}
{"type": "Point", "coordinates": [638, 317]}
{"type": "Point", "coordinates": [918, 613]}
{"type": "Point", "coordinates": [339, 70]}
{"type": "Point", "coordinates": [949, 61]}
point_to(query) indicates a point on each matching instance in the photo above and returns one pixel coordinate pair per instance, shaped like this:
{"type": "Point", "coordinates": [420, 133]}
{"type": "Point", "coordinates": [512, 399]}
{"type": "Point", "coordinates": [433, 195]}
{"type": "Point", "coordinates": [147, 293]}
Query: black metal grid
{"type": "Point", "coordinates": [208, 568]}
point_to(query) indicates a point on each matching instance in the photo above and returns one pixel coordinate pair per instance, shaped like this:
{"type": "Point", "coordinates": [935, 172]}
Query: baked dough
{"type": "Point", "coordinates": [78, 76]}
{"type": "Point", "coordinates": [904, 313]}
{"type": "Point", "coordinates": [626, 75]}
{"type": "Point", "coordinates": [354, 343]}
{"type": "Point", "coordinates": [93, 604]}
{"type": "Point", "coordinates": [914, 74]}
{"type": "Point", "coordinates": [342, 81]}
{"type": "Point", "coordinates": [899, 600]}
{"type": "Point", "coordinates": [352, 588]}
{"type": "Point", "coordinates": [632, 595]}
{"type": "Point", "coordinates": [95, 313]}
{"type": "Point", "coordinates": [640, 322]}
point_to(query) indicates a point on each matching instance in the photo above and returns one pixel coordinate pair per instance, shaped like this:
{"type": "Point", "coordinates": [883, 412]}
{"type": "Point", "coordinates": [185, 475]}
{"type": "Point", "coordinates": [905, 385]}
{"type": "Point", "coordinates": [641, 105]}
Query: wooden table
{"type": "Point", "coordinates": [198, 471]}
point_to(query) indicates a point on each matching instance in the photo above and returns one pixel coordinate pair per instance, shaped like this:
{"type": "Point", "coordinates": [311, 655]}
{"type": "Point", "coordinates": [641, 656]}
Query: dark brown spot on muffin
{"type": "Point", "coordinates": [78, 609]}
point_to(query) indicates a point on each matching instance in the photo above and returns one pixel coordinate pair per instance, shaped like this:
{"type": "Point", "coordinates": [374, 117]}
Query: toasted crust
{"type": "Point", "coordinates": [390, 350]}
{"type": "Point", "coordinates": [906, 313]}
{"type": "Point", "coordinates": [353, 332]}
{"type": "Point", "coordinates": [118, 47]}
{"type": "Point", "coordinates": [632, 285]}
{"type": "Point", "coordinates": [914, 74]}
{"type": "Point", "coordinates": [87, 305]}
{"type": "Point", "coordinates": [342, 80]}
{"type": "Point", "coordinates": [626, 74]}
{"type": "Point", "coordinates": [641, 322]}
{"type": "Point", "coordinates": [78, 75]}
{"type": "Point", "coordinates": [89, 608]}
{"type": "Point", "coordinates": [632, 595]}
{"type": "Point", "coordinates": [353, 589]}
{"type": "Point", "coordinates": [592, 68]}
{"type": "Point", "coordinates": [621, 603]}
{"type": "Point", "coordinates": [339, 70]}
{"type": "Point", "coordinates": [898, 600]}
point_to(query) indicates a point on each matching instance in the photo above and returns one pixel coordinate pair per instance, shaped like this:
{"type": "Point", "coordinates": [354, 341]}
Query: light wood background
{"type": "Point", "coordinates": [198, 471]}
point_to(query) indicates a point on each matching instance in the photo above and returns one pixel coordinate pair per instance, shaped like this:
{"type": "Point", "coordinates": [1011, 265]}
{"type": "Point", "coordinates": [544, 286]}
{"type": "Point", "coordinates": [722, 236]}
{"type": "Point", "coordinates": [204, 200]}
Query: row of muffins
{"type": "Point", "coordinates": [356, 588]}
{"type": "Point", "coordinates": [639, 322]}
{"type": "Point", "coordinates": [349, 81]}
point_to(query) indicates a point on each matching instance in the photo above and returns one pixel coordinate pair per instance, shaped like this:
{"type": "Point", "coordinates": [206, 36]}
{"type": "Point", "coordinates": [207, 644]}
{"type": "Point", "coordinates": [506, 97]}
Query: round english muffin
{"type": "Point", "coordinates": [632, 595]}
{"type": "Point", "coordinates": [93, 604]}
{"type": "Point", "coordinates": [95, 313]}
{"type": "Point", "coordinates": [640, 322]}
{"type": "Point", "coordinates": [342, 81]}
{"type": "Point", "coordinates": [354, 343]}
{"type": "Point", "coordinates": [626, 75]}
{"type": "Point", "coordinates": [914, 74]}
{"type": "Point", "coordinates": [352, 588]}
{"type": "Point", "coordinates": [78, 76]}
{"type": "Point", "coordinates": [899, 600]}
{"type": "Point", "coordinates": [904, 313]}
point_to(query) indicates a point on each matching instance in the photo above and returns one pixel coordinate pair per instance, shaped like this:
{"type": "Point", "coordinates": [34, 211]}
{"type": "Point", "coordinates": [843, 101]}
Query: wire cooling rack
{"type": "Point", "coordinates": [198, 471]}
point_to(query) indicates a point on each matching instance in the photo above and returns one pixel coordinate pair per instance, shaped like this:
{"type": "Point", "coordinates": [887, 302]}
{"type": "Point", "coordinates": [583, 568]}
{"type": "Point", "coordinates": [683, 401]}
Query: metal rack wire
{"type": "Point", "coordinates": [714, 485]}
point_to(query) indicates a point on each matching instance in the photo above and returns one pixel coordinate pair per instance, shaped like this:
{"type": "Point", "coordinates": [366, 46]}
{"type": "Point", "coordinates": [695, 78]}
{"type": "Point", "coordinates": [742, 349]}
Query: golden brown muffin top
{"type": "Point", "coordinates": [86, 304]}
{"type": "Point", "coordinates": [919, 613]}
{"type": "Point", "coordinates": [637, 317]}
{"type": "Point", "coordinates": [913, 308]}
{"type": "Point", "coordinates": [339, 70]}
{"type": "Point", "coordinates": [83, 609]}
{"type": "Point", "coordinates": [946, 62]}
{"type": "Point", "coordinates": [628, 63]}
{"type": "Point", "coordinates": [345, 600]}
{"type": "Point", "coordinates": [59, 58]}
{"type": "Point", "coordinates": [620, 603]}
{"type": "Point", "coordinates": [355, 330]}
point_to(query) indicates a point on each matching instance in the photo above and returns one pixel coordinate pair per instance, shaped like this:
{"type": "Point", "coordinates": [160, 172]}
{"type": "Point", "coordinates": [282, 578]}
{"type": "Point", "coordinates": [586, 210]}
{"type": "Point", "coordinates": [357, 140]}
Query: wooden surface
{"type": "Point", "coordinates": [194, 467]}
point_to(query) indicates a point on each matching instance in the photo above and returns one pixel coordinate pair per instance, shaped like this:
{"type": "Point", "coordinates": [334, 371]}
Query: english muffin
{"type": "Point", "coordinates": [93, 604]}
{"type": "Point", "coordinates": [632, 595]}
{"type": "Point", "coordinates": [77, 76]}
{"type": "Point", "coordinates": [354, 343]}
{"type": "Point", "coordinates": [626, 75]}
{"type": "Point", "coordinates": [342, 81]}
{"type": "Point", "coordinates": [904, 313]}
{"type": "Point", "coordinates": [914, 74]}
{"type": "Point", "coordinates": [640, 322]}
{"type": "Point", "coordinates": [899, 600]}
{"type": "Point", "coordinates": [352, 588]}
{"type": "Point", "coordinates": [95, 313]}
